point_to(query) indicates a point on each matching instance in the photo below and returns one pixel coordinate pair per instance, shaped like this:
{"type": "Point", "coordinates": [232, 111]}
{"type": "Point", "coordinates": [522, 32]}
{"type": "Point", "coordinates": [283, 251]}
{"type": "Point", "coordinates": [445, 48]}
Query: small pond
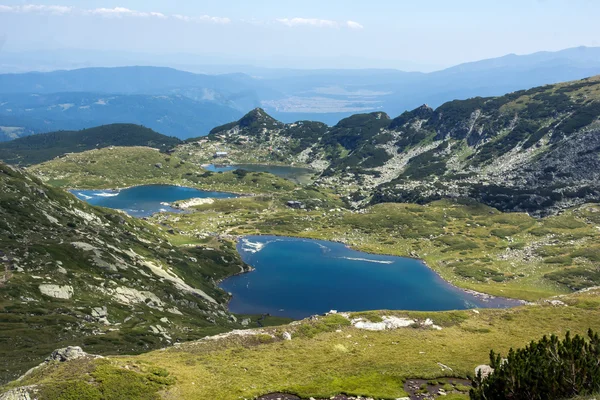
{"type": "Point", "coordinates": [296, 174]}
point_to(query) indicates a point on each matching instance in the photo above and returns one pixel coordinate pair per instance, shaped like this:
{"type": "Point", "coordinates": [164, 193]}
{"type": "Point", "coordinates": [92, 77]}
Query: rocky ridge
{"type": "Point", "coordinates": [533, 150]}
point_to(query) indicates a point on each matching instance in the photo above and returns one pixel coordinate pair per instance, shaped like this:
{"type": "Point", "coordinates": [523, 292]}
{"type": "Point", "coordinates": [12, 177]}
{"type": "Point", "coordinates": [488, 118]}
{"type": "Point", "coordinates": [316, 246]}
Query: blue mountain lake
{"type": "Point", "coordinates": [297, 278]}
{"type": "Point", "coordinates": [143, 201]}
{"type": "Point", "coordinates": [296, 174]}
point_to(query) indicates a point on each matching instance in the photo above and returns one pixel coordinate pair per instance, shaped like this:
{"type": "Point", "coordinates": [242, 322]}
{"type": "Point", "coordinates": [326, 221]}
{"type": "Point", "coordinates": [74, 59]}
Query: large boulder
{"type": "Point", "coordinates": [57, 291]}
{"type": "Point", "coordinates": [67, 354]}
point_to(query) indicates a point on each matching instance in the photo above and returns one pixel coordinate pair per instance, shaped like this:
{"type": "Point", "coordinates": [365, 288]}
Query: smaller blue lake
{"type": "Point", "coordinates": [143, 201]}
{"type": "Point", "coordinates": [296, 174]}
{"type": "Point", "coordinates": [297, 278]}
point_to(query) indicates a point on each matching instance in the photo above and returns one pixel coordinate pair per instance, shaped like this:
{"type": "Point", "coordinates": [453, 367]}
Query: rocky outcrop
{"type": "Point", "coordinates": [67, 354]}
{"type": "Point", "coordinates": [20, 393]}
{"type": "Point", "coordinates": [60, 355]}
{"type": "Point", "coordinates": [57, 291]}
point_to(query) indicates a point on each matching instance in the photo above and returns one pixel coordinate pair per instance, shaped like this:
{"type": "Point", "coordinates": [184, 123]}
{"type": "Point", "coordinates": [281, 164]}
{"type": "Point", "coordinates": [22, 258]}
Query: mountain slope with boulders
{"type": "Point", "coordinates": [73, 274]}
{"type": "Point", "coordinates": [36, 149]}
{"type": "Point", "coordinates": [533, 150]}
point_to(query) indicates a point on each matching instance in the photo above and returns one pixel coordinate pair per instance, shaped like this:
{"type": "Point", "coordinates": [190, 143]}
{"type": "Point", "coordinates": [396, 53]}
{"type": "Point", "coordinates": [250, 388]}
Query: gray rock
{"type": "Point", "coordinates": [57, 291]}
{"type": "Point", "coordinates": [158, 165]}
{"type": "Point", "coordinates": [99, 312]}
{"type": "Point", "coordinates": [485, 369]}
{"type": "Point", "coordinates": [287, 336]}
{"type": "Point", "coordinates": [66, 354]}
{"type": "Point", "coordinates": [245, 322]}
{"type": "Point", "coordinates": [20, 393]}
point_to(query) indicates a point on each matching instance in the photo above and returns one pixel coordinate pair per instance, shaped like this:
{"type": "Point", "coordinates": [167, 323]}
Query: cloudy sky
{"type": "Point", "coordinates": [423, 34]}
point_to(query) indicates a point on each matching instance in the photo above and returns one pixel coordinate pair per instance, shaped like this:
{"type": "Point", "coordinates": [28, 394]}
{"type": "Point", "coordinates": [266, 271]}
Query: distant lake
{"type": "Point", "coordinates": [143, 201]}
{"type": "Point", "coordinates": [296, 174]}
{"type": "Point", "coordinates": [297, 278]}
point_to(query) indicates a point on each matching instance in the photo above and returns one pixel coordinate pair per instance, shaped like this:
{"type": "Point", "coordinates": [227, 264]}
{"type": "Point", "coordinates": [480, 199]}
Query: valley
{"type": "Point", "coordinates": [491, 202]}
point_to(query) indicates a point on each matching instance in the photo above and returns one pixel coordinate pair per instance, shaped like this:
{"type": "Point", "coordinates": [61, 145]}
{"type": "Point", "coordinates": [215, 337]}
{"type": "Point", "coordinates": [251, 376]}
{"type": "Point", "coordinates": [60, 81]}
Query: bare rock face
{"type": "Point", "coordinates": [57, 291]}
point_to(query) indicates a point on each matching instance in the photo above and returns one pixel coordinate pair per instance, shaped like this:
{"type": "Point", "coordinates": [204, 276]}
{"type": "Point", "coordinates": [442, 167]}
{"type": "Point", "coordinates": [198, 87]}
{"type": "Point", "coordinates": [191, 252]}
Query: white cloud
{"type": "Point", "coordinates": [202, 18]}
{"type": "Point", "coordinates": [182, 17]}
{"type": "Point", "coordinates": [354, 25]}
{"type": "Point", "coordinates": [319, 23]}
{"type": "Point", "coordinates": [36, 8]}
{"type": "Point", "coordinates": [115, 12]}
{"type": "Point", "coordinates": [123, 12]}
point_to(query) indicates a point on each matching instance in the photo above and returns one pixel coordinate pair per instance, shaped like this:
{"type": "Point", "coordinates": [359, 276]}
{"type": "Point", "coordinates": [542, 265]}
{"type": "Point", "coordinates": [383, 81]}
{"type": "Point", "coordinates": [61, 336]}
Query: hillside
{"type": "Point", "coordinates": [172, 114]}
{"type": "Point", "coordinates": [73, 274]}
{"type": "Point", "coordinates": [36, 149]}
{"type": "Point", "coordinates": [533, 150]}
{"type": "Point", "coordinates": [471, 245]}
{"type": "Point", "coordinates": [322, 357]}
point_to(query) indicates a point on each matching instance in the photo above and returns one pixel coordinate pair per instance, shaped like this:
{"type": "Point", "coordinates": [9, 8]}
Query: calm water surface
{"type": "Point", "coordinates": [300, 277]}
{"type": "Point", "coordinates": [143, 201]}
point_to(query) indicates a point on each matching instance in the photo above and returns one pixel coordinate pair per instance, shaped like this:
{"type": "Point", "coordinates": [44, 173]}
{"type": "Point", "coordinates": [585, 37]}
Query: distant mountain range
{"type": "Point", "coordinates": [36, 149]}
{"type": "Point", "coordinates": [186, 104]}
{"type": "Point", "coordinates": [174, 115]}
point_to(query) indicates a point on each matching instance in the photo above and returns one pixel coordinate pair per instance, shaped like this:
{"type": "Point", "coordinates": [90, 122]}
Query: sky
{"type": "Point", "coordinates": [411, 35]}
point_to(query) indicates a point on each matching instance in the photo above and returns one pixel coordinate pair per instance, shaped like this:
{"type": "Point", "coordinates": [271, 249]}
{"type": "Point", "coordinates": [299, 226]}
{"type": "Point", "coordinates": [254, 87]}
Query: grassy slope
{"type": "Point", "coordinates": [472, 246]}
{"type": "Point", "coordinates": [127, 166]}
{"type": "Point", "coordinates": [327, 356]}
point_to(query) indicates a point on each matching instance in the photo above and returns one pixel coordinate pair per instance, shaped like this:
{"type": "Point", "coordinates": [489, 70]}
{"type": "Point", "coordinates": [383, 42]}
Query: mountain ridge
{"type": "Point", "coordinates": [455, 150]}
{"type": "Point", "coordinates": [42, 147]}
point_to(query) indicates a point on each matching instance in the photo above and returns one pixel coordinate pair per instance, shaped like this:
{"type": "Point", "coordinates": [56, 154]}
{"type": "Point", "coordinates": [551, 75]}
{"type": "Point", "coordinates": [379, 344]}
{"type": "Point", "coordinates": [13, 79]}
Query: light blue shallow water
{"type": "Point", "coordinates": [297, 278]}
{"type": "Point", "coordinates": [143, 201]}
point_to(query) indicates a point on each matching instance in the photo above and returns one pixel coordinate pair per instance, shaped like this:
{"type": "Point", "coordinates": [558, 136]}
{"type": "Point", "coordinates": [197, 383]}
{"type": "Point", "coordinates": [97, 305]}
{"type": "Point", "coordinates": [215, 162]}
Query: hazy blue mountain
{"type": "Point", "coordinates": [392, 91]}
{"type": "Point", "coordinates": [173, 115]}
{"type": "Point", "coordinates": [326, 95]}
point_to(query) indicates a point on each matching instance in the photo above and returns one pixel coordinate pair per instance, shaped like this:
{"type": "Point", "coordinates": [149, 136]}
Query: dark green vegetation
{"type": "Point", "coordinates": [72, 274]}
{"type": "Point", "coordinates": [547, 369]}
{"type": "Point", "coordinates": [36, 149]}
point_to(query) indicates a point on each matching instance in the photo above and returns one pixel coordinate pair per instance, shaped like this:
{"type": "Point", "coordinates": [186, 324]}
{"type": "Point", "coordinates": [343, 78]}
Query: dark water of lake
{"type": "Point", "coordinates": [296, 174]}
{"type": "Point", "coordinates": [143, 201]}
{"type": "Point", "coordinates": [297, 278]}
